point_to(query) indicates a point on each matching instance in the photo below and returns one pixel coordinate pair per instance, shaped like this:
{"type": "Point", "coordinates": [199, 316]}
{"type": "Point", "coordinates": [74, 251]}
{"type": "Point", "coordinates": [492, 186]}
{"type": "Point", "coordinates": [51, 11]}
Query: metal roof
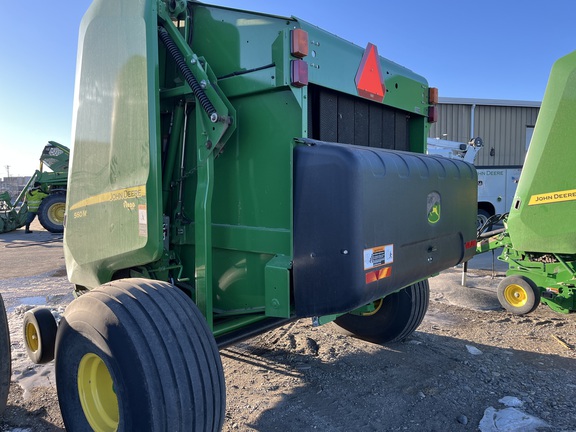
{"type": "Point", "coordinates": [491, 102]}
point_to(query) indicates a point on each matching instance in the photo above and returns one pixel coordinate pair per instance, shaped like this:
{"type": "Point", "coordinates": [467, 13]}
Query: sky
{"type": "Point", "coordinates": [489, 49]}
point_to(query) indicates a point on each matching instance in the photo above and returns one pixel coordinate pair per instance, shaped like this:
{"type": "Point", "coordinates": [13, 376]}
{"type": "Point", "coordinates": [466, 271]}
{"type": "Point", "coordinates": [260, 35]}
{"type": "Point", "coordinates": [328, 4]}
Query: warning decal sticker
{"type": "Point", "coordinates": [142, 221]}
{"type": "Point", "coordinates": [378, 256]}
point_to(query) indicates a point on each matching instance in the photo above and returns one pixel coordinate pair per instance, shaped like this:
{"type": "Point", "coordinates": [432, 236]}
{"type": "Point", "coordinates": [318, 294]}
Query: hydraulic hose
{"type": "Point", "coordinates": [187, 74]}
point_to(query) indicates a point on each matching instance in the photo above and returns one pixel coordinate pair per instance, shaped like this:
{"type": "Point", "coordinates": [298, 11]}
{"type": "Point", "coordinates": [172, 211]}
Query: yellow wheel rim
{"type": "Point", "coordinates": [377, 306]}
{"type": "Point", "coordinates": [97, 395]}
{"type": "Point", "coordinates": [56, 213]}
{"type": "Point", "coordinates": [32, 337]}
{"type": "Point", "coordinates": [515, 295]}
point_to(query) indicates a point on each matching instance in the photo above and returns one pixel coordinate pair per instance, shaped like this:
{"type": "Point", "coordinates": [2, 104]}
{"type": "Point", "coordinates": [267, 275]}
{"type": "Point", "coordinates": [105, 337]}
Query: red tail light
{"type": "Point", "coordinates": [299, 73]}
{"type": "Point", "coordinates": [432, 114]}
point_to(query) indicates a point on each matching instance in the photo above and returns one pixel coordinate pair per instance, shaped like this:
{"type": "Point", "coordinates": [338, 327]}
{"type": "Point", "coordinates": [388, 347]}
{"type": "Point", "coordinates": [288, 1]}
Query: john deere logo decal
{"type": "Point", "coordinates": [433, 207]}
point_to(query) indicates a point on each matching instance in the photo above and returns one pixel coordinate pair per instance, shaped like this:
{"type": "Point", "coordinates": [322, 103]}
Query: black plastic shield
{"type": "Point", "coordinates": [368, 222]}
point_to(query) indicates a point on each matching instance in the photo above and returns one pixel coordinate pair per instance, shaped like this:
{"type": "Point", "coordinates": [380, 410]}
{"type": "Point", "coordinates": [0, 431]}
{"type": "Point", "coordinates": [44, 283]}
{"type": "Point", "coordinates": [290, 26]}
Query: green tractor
{"type": "Point", "coordinates": [539, 238]}
{"type": "Point", "coordinates": [234, 171]}
{"type": "Point", "coordinates": [51, 211]}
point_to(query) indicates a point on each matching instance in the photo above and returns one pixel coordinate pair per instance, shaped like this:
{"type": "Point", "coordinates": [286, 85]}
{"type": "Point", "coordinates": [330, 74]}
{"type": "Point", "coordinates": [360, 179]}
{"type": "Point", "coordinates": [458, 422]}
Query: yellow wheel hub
{"type": "Point", "coordinates": [32, 337]}
{"type": "Point", "coordinates": [56, 213]}
{"type": "Point", "coordinates": [515, 295]}
{"type": "Point", "coordinates": [97, 395]}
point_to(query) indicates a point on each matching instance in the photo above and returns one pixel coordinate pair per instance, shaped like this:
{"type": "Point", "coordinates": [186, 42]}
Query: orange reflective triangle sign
{"type": "Point", "coordinates": [369, 81]}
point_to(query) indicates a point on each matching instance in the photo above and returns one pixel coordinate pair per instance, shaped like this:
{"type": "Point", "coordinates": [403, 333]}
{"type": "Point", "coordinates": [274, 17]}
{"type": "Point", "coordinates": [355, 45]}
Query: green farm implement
{"type": "Point", "coordinates": [51, 211]}
{"type": "Point", "coordinates": [233, 171]}
{"type": "Point", "coordinates": [539, 238]}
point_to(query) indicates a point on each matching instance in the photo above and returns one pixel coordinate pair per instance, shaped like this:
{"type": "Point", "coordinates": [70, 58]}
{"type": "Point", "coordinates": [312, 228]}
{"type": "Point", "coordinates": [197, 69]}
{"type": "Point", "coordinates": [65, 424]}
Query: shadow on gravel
{"type": "Point", "coordinates": [38, 236]}
{"type": "Point", "coordinates": [428, 383]}
{"type": "Point", "coordinates": [22, 420]}
{"type": "Point", "coordinates": [26, 255]}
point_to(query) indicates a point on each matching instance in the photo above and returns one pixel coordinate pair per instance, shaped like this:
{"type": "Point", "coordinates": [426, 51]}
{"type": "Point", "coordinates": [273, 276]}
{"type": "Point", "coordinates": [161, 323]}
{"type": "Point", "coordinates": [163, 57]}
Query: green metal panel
{"type": "Point", "coordinates": [234, 41]}
{"type": "Point", "coordinates": [113, 211]}
{"type": "Point", "coordinates": [251, 200]}
{"type": "Point", "coordinates": [240, 41]}
{"type": "Point", "coordinates": [277, 277]}
{"type": "Point", "coordinates": [541, 217]}
{"type": "Point", "coordinates": [405, 90]}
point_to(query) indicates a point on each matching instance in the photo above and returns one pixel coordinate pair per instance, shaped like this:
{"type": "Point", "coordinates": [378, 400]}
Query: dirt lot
{"type": "Point", "coordinates": [470, 366]}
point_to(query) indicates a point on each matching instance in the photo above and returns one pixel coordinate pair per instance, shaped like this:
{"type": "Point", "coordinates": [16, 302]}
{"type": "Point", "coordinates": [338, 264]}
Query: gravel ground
{"type": "Point", "coordinates": [470, 366]}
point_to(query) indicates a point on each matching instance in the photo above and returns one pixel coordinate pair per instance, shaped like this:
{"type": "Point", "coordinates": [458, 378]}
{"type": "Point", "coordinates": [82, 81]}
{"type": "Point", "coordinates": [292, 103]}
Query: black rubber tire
{"type": "Point", "coordinates": [518, 295]}
{"type": "Point", "coordinates": [158, 351]}
{"type": "Point", "coordinates": [482, 218]}
{"type": "Point", "coordinates": [40, 329]}
{"type": "Point", "coordinates": [51, 212]}
{"type": "Point", "coordinates": [396, 318]}
{"type": "Point", "coordinates": [5, 358]}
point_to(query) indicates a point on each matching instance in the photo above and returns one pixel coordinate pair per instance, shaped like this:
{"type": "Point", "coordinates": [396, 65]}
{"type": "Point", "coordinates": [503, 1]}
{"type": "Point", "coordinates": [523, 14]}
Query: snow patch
{"type": "Point", "coordinates": [509, 420]}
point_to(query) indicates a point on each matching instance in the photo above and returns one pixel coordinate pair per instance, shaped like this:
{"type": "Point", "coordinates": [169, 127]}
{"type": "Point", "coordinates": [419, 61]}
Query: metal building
{"type": "Point", "coordinates": [506, 127]}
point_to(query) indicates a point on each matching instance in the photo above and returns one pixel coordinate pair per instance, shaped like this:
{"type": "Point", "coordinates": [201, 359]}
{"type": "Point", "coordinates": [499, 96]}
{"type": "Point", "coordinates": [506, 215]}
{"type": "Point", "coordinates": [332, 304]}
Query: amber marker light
{"type": "Point", "coordinates": [299, 43]}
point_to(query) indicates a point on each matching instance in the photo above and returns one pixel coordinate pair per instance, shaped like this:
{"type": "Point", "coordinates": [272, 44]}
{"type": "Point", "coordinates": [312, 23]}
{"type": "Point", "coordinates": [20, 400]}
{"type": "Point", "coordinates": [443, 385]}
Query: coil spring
{"type": "Point", "coordinates": [187, 74]}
